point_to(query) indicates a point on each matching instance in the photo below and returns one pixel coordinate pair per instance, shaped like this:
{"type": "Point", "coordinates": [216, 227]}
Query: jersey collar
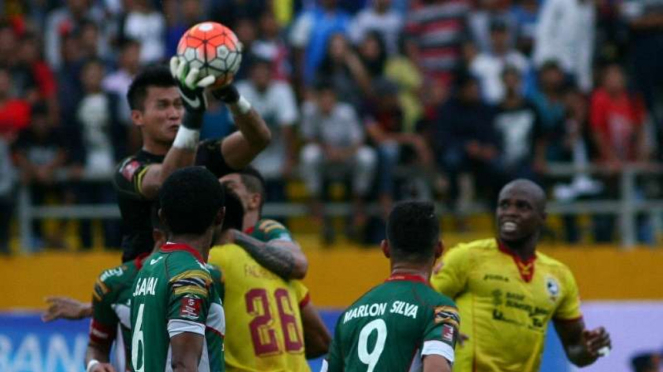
{"type": "Point", "coordinates": [172, 247]}
{"type": "Point", "coordinates": [407, 277]}
{"type": "Point", "coordinates": [525, 267]}
{"type": "Point", "coordinates": [140, 259]}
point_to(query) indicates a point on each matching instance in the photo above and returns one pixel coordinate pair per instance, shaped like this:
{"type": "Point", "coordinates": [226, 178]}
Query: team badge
{"type": "Point", "coordinates": [552, 286]}
{"type": "Point", "coordinates": [448, 333]}
{"type": "Point", "coordinates": [190, 308]}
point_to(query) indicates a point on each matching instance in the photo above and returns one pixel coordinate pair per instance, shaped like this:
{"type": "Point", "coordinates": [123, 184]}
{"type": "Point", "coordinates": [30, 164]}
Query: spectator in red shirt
{"type": "Point", "coordinates": [616, 119]}
{"type": "Point", "coordinates": [14, 113]}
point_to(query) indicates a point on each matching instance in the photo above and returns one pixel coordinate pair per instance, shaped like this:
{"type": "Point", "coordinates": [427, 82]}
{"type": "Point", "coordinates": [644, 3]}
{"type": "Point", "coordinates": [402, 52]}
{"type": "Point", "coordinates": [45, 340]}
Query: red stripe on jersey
{"type": "Point", "coordinates": [101, 333]}
{"type": "Point", "coordinates": [172, 247]}
{"type": "Point", "coordinates": [208, 328]}
{"type": "Point", "coordinates": [305, 301]}
{"type": "Point", "coordinates": [449, 24]}
{"type": "Point", "coordinates": [572, 320]}
{"type": "Point", "coordinates": [407, 277]}
{"type": "Point", "coordinates": [250, 230]}
{"type": "Point", "coordinates": [140, 259]}
{"type": "Point", "coordinates": [525, 267]}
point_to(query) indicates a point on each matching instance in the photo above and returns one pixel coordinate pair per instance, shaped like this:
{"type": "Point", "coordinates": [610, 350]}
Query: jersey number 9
{"type": "Point", "coordinates": [262, 331]}
{"type": "Point", "coordinates": [371, 358]}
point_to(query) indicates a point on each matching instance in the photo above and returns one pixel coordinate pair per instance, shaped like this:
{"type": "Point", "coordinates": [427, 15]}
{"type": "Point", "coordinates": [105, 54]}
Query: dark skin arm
{"type": "Point", "coordinates": [283, 258]}
{"type": "Point", "coordinates": [187, 348]}
{"type": "Point", "coordinates": [316, 336]}
{"type": "Point", "coordinates": [581, 345]}
{"type": "Point", "coordinates": [156, 174]}
{"type": "Point", "coordinates": [436, 363]}
{"type": "Point", "coordinates": [99, 352]}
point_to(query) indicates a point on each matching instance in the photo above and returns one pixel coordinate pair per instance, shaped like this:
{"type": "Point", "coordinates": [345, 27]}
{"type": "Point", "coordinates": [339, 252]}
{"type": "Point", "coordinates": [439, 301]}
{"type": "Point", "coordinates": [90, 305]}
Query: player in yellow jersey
{"type": "Point", "coordinates": [507, 293]}
{"type": "Point", "coordinates": [272, 325]}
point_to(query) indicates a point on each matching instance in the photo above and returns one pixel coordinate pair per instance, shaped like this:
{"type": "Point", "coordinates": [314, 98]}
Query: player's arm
{"type": "Point", "coordinates": [436, 363]}
{"type": "Point", "coordinates": [187, 348]}
{"type": "Point", "coordinates": [583, 347]}
{"type": "Point", "coordinates": [96, 357]}
{"type": "Point", "coordinates": [240, 148]}
{"type": "Point", "coordinates": [316, 335]}
{"type": "Point", "coordinates": [60, 307]}
{"type": "Point", "coordinates": [183, 151]}
{"type": "Point", "coordinates": [103, 329]}
{"type": "Point", "coordinates": [282, 257]}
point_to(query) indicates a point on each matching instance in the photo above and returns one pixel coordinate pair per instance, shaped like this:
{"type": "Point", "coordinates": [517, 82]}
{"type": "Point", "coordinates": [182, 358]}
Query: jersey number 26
{"type": "Point", "coordinates": [262, 332]}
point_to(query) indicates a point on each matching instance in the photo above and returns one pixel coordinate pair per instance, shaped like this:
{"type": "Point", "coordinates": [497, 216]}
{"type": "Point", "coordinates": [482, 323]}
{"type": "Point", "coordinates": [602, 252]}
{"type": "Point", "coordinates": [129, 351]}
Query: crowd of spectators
{"type": "Point", "coordinates": [352, 89]}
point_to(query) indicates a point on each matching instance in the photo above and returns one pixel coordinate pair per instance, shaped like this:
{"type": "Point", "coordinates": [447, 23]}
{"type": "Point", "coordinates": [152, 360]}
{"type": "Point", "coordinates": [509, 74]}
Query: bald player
{"type": "Point", "coordinates": [507, 293]}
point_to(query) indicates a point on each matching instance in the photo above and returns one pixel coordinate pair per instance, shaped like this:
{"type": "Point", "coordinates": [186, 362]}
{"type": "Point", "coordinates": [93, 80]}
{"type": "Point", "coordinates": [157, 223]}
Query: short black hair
{"type": "Point", "coordinates": [413, 230]}
{"type": "Point", "coordinates": [190, 199]}
{"type": "Point", "coordinates": [254, 182]}
{"type": "Point", "coordinates": [234, 217]}
{"type": "Point", "coordinates": [152, 76]}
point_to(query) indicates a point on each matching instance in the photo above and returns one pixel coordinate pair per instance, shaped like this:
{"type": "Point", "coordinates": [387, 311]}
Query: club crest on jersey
{"type": "Point", "coordinates": [190, 307]}
{"type": "Point", "coordinates": [552, 286]}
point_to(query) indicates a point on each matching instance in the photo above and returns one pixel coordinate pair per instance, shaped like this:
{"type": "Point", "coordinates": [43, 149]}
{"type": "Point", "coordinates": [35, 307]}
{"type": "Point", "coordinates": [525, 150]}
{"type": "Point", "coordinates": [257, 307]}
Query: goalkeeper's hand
{"type": "Point", "coordinates": [191, 86]}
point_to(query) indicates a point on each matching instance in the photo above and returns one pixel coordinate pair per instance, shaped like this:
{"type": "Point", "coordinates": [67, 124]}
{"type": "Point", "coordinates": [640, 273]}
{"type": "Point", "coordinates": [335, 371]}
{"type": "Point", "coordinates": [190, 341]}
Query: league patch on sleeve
{"type": "Point", "coordinates": [129, 169]}
{"type": "Point", "coordinates": [447, 315]}
{"type": "Point", "coordinates": [190, 308]}
{"type": "Point", "coordinates": [448, 332]}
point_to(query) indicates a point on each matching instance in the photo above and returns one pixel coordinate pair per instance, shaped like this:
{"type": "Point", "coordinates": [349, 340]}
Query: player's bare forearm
{"type": "Point", "coordinates": [275, 255]}
{"type": "Point", "coordinates": [240, 148]}
{"type": "Point", "coordinates": [66, 308]}
{"type": "Point", "coordinates": [186, 349]}
{"type": "Point", "coordinates": [436, 363]}
{"type": "Point", "coordinates": [583, 347]}
{"type": "Point", "coordinates": [316, 336]}
{"type": "Point", "coordinates": [98, 351]}
{"type": "Point", "coordinates": [156, 174]}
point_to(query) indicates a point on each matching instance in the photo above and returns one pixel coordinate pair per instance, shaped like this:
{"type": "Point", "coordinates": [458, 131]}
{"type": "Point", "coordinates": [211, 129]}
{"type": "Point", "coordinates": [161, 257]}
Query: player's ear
{"type": "Point", "coordinates": [439, 249]}
{"type": "Point", "coordinates": [218, 220]}
{"type": "Point", "coordinates": [384, 245]}
{"type": "Point", "coordinates": [137, 117]}
{"type": "Point", "coordinates": [255, 201]}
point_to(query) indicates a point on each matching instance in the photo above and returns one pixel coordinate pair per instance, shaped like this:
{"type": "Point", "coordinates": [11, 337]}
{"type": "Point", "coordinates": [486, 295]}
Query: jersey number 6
{"type": "Point", "coordinates": [262, 332]}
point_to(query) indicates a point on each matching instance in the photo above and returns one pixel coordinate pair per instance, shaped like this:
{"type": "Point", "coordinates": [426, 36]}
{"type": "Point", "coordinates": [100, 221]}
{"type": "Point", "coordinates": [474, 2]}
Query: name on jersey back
{"type": "Point", "coordinates": [397, 307]}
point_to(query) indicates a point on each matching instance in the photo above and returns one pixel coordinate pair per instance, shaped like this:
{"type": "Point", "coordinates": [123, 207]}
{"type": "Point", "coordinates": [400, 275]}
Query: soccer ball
{"type": "Point", "coordinates": [213, 49]}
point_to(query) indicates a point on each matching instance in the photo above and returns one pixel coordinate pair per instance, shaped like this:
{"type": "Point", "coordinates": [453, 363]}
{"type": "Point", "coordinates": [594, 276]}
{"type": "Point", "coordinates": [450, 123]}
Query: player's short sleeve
{"type": "Point", "coordinates": [301, 293]}
{"type": "Point", "coordinates": [452, 279]}
{"type": "Point", "coordinates": [268, 230]}
{"type": "Point", "coordinates": [441, 331]}
{"type": "Point", "coordinates": [129, 175]}
{"type": "Point", "coordinates": [218, 280]}
{"type": "Point", "coordinates": [189, 300]}
{"type": "Point", "coordinates": [209, 155]}
{"type": "Point", "coordinates": [569, 306]}
{"type": "Point", "coordinates": [104, 320]}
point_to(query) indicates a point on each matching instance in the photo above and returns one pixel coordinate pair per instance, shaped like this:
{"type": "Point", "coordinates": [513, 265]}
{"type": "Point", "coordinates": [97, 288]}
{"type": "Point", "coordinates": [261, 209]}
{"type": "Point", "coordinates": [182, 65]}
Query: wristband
{"type": "Point", "coordinates": [186, 138]}
{"type": "Point", "coordinates": [242, 105]}
{"type": "Point", "coordinates": [91, 364]}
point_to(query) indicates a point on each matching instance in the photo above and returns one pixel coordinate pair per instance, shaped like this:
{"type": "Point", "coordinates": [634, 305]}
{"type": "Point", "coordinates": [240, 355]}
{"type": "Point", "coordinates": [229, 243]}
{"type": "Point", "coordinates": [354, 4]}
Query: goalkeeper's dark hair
{"type": "Point", "coordinates": [413, 231]}
{"type": "Point", "coordinates": [254, 182]}
{"type": "Point", "coordinates": [234, 217]}
{"type": "Point", "coordinates": [190, 200]}
{"type": "Point", "coordinates": [151, 76]}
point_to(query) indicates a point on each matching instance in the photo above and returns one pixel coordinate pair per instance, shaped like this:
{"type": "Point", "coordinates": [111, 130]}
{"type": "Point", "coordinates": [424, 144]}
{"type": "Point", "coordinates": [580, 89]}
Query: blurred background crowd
{"type": "Point", "coordinates": [438, 99]}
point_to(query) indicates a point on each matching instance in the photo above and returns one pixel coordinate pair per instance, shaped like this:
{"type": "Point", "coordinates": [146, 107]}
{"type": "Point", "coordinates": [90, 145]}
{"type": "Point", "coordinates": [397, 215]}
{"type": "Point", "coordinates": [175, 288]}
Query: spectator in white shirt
{"type": "Point", "coordinates": [565, 34]}
{"type": "Point", "coordinates": [488, 67]}
{"type": "Point", "coordinates": [381, 18]}
{"type": "Point", "coordinates": [147, 26]}
{"type": "Point", "coordinates": [335, 145]}
{"type": "Point", "coordinates": [275, 101]}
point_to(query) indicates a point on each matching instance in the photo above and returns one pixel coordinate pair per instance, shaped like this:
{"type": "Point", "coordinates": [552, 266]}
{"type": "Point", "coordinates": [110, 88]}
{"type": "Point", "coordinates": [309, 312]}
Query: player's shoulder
{"type": "Point", "coordinates": [127, 167]}
{"type": "Point", "coordinates": [118, 275]}
{"type": "Point", "coordinates": [272, 229]}
{"type": "Point", "coordinates": [474, 248]}
{"type": "Point", "coordinates": [180, 264]}
{"type": "Point", "coordinates": [553, 264]}
{"type": "Point", "coordinates": [220, 253]}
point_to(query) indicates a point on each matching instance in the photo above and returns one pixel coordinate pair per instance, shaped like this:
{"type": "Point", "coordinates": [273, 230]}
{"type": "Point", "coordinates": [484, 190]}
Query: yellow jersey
{"type": "Point", "coordinates": [505, 304]}
{"type": "Point", "coordinates": [263, 322]}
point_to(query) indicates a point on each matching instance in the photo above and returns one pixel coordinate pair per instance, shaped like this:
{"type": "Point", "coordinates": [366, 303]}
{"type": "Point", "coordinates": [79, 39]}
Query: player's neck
{"type": "Point", "coordinates": [406, 268]}
{"type": "Point", "coordinates": [525, 249]}
{"type": "Point", "coordinates": [200, 243]}
{"type": "Point", "coordinates": [155, 147]}
{"type": "Point", "coordinates": [250, 219]}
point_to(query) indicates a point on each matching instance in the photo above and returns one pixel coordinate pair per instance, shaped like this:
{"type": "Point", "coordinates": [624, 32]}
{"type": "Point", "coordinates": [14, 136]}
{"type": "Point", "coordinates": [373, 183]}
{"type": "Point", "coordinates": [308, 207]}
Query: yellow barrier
{"type": "Point", "coordinates": [336, 276]}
